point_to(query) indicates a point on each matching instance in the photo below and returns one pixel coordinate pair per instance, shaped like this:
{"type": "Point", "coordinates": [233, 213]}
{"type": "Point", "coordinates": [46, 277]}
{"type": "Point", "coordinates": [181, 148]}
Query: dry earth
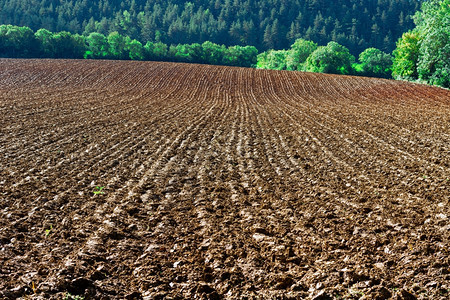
{"type": "Point", "coordinates": [220, 182]}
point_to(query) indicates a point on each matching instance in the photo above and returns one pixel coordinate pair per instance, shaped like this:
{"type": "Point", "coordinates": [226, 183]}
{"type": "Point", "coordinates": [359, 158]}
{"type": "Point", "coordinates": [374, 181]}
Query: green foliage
{"type": "Point", "coordinates": [213, 53]}
{"type": "Point", "coordinates": [298, 54]}
{"type": "Point", "coordinates": [332, 58]}
{"type": "Point", "coordinates": [48, 231]}
{"type": "Point", "coordinates": [406, 56]}
{"type": "Point", "coordinates": [45, 38]}
{"type": "Point", "coordinates": [240, 56]}
{"type": "Point", "coordinates": [17, 41]}
{"type": "Point", "coordinates": [68, 45]}
{"type": "Point", "coordinates": [98, 190]}
{"type": "Point", "coordinates": [22, 42]}
{"type": "Point", "coordinates": [118, 46]}
{"type": "Point", "coordinates": [375, 63]}
{"type": "Point", "coordinates": [136, 50]}
{"type": "Point", "coordinates": [434, 55]}
{"type": "Point", "coordinates": [183, 53]}
{"type": "Point", "coordinates": [155, 51]}
{"type": "Point", "coordinates": [265, 24]}
{"type": "Point", "coordinates": [273, 60]}
{"type": "Point", "coordinates": [98, 46]}
{"type": "Point", "coordinates": [424, 53]}
{"type": "Point", "coordinates": [69, 296]}
{"type": "Point", "coordinates": [61, 44]}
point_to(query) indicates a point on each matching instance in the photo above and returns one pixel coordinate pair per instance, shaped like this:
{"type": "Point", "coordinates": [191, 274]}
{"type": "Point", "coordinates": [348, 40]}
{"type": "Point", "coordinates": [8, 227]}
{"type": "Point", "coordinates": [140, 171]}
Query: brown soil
{"type": "Point", "coordinates": [220, 182]}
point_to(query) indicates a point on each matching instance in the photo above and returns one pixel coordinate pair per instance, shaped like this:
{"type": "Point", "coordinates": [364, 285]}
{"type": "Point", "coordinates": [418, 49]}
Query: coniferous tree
{"type": "Point", "coordinates": [265, 24]}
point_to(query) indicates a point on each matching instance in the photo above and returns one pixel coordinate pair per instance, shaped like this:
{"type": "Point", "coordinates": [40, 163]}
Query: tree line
{"type": "Point", "coordinates": [304, 55]}
{"type": "Point", "coordinates": [422, 53]}
{"type": "Point", "coordinates": [333, 58]}
{"type": "Point", "coordinates": [22, 42]}
{"type": "Point", "coordinates": [265, 24]}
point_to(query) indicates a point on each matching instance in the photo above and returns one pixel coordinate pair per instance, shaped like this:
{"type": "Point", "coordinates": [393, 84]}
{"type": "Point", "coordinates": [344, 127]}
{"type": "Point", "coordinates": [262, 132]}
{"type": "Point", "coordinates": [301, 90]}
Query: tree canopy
{"type": "Point", "coordinates": [22, 42]}
{"type": "Point", "coordinates": [406, 56]}
{"type": "Point", "coordinates": [265, 24]}
{"type": "Point", "coordinates": [433, 24]}
{"type": "Point", "coordinates": [298, 54]}
{"type": "Point", "coordinates": [17, 41]}
{"type": "Point", "coordinates": [332, 58]}
{"type": "Point", "coordinates": [424, 52]}
{"type": "Point", "coordinates": [375, 63]}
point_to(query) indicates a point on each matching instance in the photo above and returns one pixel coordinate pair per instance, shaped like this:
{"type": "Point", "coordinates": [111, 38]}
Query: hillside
{"type": "Point", "coordinates": [266, 24]}
{"type": "Point", "coordinates": [131, 180]}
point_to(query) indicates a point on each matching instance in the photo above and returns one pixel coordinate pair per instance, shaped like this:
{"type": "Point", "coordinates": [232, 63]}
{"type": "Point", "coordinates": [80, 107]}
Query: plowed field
{"type": "Point", "coordinates": [173, 181]}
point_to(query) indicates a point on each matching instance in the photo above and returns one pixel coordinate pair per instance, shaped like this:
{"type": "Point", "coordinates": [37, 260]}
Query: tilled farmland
{"type": "Point", "coordinates": [131, 180]}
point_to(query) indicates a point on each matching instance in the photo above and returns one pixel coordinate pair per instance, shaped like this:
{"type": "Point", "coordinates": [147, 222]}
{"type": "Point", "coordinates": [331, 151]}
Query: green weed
{"type": "Point", "coordinates": [98, 190]}
{"type": "Point", "coordinates": [48, 231]}
{"type": "Point", "coordinates": [69, 296]}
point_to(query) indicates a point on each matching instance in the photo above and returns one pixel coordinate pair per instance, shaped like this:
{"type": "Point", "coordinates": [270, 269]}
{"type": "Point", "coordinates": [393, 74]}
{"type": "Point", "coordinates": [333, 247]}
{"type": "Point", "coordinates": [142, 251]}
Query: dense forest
{"type": "Point", "coordinates": [421, 53]}
{"type": "Point", "coordinates": [265, 24]}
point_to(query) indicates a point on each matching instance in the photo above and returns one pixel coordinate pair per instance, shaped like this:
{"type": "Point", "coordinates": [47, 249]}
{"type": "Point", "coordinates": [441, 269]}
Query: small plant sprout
{"type": "Point", "coordinates": [48, 231]}
{"type": "Point", "coordinates": [98, 190]}
{"type": "Point", "coordinates": [69, 296]}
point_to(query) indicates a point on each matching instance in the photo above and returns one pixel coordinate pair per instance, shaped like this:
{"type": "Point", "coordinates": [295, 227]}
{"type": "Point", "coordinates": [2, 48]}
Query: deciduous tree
{"type": "Point", "coordinates": [376, 63]}
{"type": "Point", "coordinates": [434, 54]}
{"type": "Point", "coordinates": [406, 56]}
{"type": "Point", "coordinates": [332, 58]}
{"type": "Point", "coordinates": [98, 46]}
{"type": "Point", "coordinates": [298, 54]}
